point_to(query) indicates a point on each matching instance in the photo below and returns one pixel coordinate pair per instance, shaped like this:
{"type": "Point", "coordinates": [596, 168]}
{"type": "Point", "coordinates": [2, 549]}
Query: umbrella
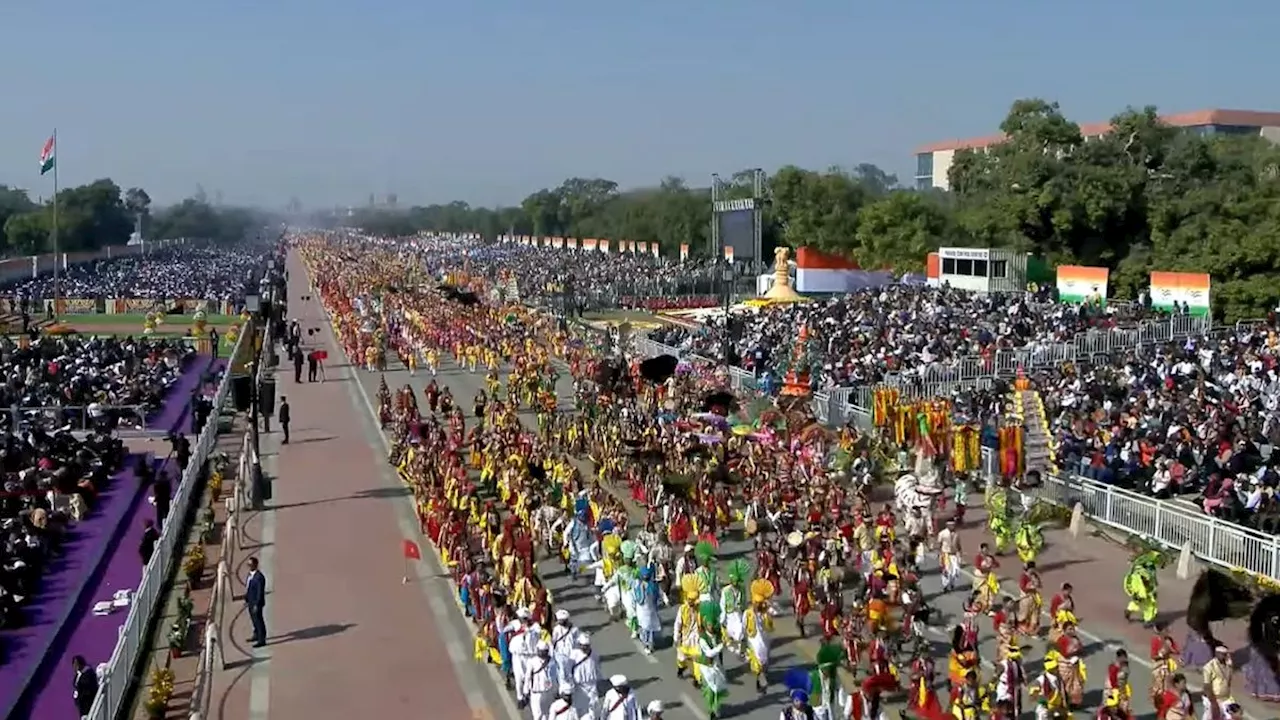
{"type": "Point", "coordinates": [658, 369]}
{"type": "Point", "coordinates": [721, 402]}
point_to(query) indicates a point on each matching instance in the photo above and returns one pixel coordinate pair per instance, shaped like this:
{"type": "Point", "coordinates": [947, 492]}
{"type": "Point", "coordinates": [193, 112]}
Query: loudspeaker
{"type": "Point", "coordinates": [242, 392]}
{"type": "Point", "coordinates": [267, 397]}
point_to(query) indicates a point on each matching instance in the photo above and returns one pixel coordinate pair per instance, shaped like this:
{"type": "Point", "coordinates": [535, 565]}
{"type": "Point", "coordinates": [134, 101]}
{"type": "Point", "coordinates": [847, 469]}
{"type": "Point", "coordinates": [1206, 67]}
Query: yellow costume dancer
{"type": "Point", "coordinates": [685, 635]}
{"type": "Point", "coordinates": [757, 622]}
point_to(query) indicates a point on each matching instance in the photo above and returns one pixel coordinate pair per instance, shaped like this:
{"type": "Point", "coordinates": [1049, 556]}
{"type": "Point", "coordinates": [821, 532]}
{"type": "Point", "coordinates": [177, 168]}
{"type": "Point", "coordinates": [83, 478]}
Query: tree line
{"type": "Point", "coordinates": [1145, 196]}
{"type": "Point", "coordinates": [100, 213]}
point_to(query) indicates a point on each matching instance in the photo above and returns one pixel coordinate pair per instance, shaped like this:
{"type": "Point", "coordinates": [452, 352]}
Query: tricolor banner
{"type": "Point", "coordinates": [589, 244]}
{"type": "Point", "coordinates": [604, 246]}
{"type": "Point", "coordinates": [1082, 283]}
{"type": "Point", "coordinates": [1186, 289]}
{"type": "Point", "coordinates": [684, 252]}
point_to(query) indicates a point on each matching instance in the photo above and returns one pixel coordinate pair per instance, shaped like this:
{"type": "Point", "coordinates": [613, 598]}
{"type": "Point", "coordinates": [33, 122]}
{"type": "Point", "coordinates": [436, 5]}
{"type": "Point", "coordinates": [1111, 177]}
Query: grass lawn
{"type": "Point", "coordinates": [179, 322]}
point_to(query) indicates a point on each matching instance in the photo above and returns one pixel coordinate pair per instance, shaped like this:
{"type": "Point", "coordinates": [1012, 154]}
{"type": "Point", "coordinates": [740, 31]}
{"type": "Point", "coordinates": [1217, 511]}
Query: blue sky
{"type": "Point", "coordinates": [489, 100]}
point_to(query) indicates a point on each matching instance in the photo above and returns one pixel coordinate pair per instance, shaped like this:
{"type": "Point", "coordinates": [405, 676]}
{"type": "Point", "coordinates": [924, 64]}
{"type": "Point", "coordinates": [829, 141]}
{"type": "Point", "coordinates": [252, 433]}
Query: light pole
{"type": "Point", "coordinates": [726, 287]}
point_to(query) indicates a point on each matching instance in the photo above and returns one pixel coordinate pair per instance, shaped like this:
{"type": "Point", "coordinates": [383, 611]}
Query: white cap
{"type": "Point", "coordinates": [618, 681]}
{"type": "Point", "coordinates": [560, 706]}
{"type": "Point", "coordinates": [522, 613]}
{"type": "Point", "coordinates": [687, 548]}
{"type": "Point", "coordinates": [544, 645]}
{"type": "Point", "coordinates": [566, 688]}
{"type": "Point", "coordinates": [562, 614]}
{"type": "Point", "coordinates": [584, 639]}
{"type": "Point", "coordinates": [654, 707]}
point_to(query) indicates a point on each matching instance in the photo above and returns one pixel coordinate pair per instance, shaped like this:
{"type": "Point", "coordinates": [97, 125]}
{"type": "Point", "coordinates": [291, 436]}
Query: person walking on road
{"type": "Point", "coordinates": [297, 365]}
{"type": "Point", "coordinates": [284, 417]}
{"type": "Point", "coordinates": [255, 600]}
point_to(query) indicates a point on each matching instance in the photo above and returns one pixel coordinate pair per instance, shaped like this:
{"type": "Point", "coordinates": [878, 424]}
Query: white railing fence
{"type": "Point", "coordinates": [115, 683]}
{"type": "Point", "coordinates": [1174, 525]}
{"type": "Point", "coordinates": [211, 655]}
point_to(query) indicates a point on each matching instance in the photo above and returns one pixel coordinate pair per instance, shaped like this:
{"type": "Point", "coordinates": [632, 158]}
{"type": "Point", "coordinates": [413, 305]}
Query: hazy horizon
{"type": "Point", "coordinates": [488, 102]}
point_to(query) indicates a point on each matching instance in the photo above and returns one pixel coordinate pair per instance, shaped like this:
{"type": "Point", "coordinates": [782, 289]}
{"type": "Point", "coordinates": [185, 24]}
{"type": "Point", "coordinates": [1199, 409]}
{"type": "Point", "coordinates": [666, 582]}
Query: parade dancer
{"type": "Point", "coordinates": [706, 669]}
{"type": "Point", "coordinates": [607, 574]}
{"type": "Point", "coordinates": [923, 699]}
{"type": "Point", "coordinates": [1164, 662]}
{"type": "Point", "coordinates": [1029, 600]}
{"type": "Point", "coordinates": [826, 695]}
{"type": "Point", "coordinates": [627, 578]}
{"type": "Point", "coordinates": [620, 702]}
{"type": "Point", "coordinates": [1117, 686]}
{"type": "Point", "coordinates": [1141, 584]}
{"type": "Point", "coordinates": [705, 554]}
{"type": "Point", "coordinates": [564, 638]}
{"type": "Point", "coordinates": [580, 542]}
{"type": "Point", "coordinates": [986, 585]}
{"type": "Point", "coordinates": [799, 709]}
{"type": "Point", "coordinates": [542, 681]}
{"type": "Point", "coordinates": [584, 673]}
{"type": "Point", "coordinates": [757, 623]}
{"type": "Point", "coordinates": [525, 635]}
{"type": "Point", "coordinates": [1048, 689]}
{"type": "Point", "coordinates": [562, 708]}
{"type": "Point", "coordinates": [648, 597]}
{"type": "Point", "coordinates": [686, 627]}
{"type": "Point", "coordinates": [1010, 680]}
{"type": "Point", "coordinates": [949, 554]}
{"type": "Point", "coordinates": [732, 601]}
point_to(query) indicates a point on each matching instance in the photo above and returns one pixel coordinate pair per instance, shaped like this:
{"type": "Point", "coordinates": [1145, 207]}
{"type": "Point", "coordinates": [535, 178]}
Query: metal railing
{"type": "Point", "coordinates": [78, 417]}
{"type": "Point", "coordinates": [116, 680]}
{"type": "Point", "coordinates": [211, 657]}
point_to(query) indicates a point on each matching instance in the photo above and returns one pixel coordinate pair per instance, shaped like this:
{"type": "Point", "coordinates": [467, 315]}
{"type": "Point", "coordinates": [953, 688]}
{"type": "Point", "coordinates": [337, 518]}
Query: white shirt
{"type": "Point", "coordinates": [616, 707]}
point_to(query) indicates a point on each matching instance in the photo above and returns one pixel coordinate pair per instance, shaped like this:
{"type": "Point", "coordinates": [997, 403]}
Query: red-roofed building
{"type": "Point", "coordinates": [933, 161]}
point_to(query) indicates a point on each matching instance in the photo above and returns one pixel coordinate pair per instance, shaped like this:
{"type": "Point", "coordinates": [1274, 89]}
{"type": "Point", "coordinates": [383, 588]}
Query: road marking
{"type": "Point", "coordinates": [406, 517]}
{"type": "Point", "coordinates": [260, 672]}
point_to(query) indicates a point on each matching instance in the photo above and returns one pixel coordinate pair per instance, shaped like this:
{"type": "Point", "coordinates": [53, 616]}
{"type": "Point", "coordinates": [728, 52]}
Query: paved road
{"type": "Point", "coordinates": [346, 637]}
{"type": "Point", "coordinates": [655, 675]}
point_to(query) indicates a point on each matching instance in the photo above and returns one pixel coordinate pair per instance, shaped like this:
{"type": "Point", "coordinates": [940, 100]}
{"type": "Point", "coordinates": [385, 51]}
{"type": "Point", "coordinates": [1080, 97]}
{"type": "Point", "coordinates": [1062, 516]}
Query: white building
{"type": "Point", "coordinates": [933, 162]}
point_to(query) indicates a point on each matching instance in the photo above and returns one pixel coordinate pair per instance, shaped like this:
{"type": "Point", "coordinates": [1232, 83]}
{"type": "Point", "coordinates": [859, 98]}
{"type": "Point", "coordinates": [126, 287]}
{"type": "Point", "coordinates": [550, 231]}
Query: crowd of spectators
{"type": "Point", "coordinates": [199, 273]}
{"type": "Point", "coordinates": [910, 330]}
{"type": "Point", "coordinates": [52, 477]}
{"type": "Point", "coordinates": [74, 378]}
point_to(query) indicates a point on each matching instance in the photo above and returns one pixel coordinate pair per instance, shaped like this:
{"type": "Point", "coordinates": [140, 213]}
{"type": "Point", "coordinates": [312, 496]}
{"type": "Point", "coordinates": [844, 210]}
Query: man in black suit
{"type": "Point", "coordinates": [285, 417]}
{"type": "Point", "coordinates": [85, 686]}
{"type": "Point", "coordinates": [255, 600]}
{"type": "Point", "coordinates": [147, 547]}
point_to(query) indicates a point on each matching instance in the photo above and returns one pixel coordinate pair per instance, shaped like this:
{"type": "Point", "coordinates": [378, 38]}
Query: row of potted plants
{"type": "Point", "coordinates": [159, 693]}
{"type": "Point", "coordinates": [181, 626]}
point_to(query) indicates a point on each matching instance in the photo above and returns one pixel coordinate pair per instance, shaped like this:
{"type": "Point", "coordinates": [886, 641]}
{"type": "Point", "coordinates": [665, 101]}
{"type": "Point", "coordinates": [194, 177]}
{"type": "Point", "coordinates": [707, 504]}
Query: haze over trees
{"type": "Point", "coordinates": [100, 213]}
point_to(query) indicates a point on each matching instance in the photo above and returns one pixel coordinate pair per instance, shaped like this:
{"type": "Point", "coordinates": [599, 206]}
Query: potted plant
{"type": "Point", "coordinates": [215, 485]}
{"type": "Point", "coordinates": [208, 526]}
{"type": "Point", "coordinates": [156, 703]}
{"type": "Point", "coordinates": [193, 565]}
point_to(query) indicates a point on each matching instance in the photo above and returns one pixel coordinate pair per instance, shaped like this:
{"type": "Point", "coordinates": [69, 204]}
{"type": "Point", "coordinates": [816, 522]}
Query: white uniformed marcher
{"type": "Point", "coordinates": [543, 681]}
{"type": "Point", "coordinates": [619, 703]}
{"type": "Point", "coordinates": [562, 708]}
{"type": "Point", "coordinates": [564, 637]}
{"type": "Point", "coordinates": [525, 635]}
{"type": "Point", "coordinates": [584, 669]}
{"type": "Point", "coordinates": [653, 711]}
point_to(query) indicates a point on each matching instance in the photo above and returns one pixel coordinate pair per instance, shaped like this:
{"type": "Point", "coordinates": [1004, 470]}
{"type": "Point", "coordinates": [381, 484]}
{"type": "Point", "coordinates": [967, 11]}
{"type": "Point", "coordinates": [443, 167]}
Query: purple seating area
{"type": "Point", "coordinates": [100, 557]}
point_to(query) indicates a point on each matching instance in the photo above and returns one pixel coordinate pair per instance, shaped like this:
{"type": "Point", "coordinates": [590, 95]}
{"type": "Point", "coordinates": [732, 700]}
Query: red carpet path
{"type": "Point", "coordinates": [347, 639]}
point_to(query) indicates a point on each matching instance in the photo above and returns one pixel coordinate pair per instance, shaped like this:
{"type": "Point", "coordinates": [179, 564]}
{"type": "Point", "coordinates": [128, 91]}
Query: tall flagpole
{"type": "Point", "coordinates": [57, 259]}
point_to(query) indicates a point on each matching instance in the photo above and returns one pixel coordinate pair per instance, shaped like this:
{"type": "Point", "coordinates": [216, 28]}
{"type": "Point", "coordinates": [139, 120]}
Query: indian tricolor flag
{"type": "Point", "coordinates": [1082, 283]}
{"type": "Point", "coordinates": [1186, 289]}
{"type": "Point", "coordinates": [819, 272]}
{"type": "Point", "coordinates": [47, 159]}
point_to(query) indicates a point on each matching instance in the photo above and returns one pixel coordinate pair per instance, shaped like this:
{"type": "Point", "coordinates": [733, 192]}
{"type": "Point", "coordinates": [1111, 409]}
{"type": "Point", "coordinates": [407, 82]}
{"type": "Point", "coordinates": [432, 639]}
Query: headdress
{"type": "Point", "coordinates": [705, 552]}
{"type": "Point", "coordinates": [709, 614]}
{"type": "Point", "coordinates": [1221, 596]}
{"type": "Point", "coordinates": [797, 680]}
{"type": "Point", "coordinates": [628, 549]}
{"type": "Point", "coordinates": [737, 572]}
{"type": "Point", "coordinates": [689, 588]}
{"type": "Point", "coordinates": [829, 657]}
{"type": "Point", "coordinates": [761, 591]}
{"type": "Point", "coordinates": [612, 545]}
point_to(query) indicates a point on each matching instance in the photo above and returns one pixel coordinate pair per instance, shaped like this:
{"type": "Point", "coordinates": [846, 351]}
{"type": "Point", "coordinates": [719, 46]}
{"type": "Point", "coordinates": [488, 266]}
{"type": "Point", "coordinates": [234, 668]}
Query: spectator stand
{"type": "Point", "coordinates": [1175, 525]}
{"type": "Point", "coordinates": [118, 676]}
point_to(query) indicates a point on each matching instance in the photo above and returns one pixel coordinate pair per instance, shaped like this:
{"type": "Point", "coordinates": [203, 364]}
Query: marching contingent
{"type": "Point", "coordinates": [636, 493]}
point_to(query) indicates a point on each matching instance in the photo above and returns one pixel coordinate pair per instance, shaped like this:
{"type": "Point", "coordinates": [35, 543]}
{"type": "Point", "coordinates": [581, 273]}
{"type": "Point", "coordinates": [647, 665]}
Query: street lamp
{"type": "Point", "coordinates": [726, 285]}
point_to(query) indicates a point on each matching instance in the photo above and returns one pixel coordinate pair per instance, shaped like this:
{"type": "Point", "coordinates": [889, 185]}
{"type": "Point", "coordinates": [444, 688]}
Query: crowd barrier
{"type": "Point", "coordinates": [1174, 525]}
{"type": "Point", "coordinates": [118, 306]}
{"type": "Point", "coordinates": [211, 655]}
{"type": "Point", "coordinates": [114, 683]}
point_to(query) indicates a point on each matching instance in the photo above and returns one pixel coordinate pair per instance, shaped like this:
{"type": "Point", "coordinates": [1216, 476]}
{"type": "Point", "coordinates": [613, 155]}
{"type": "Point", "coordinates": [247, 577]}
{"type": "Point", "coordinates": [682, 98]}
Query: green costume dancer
{"type": "Point", "coordinates": [705, 553]}
{"type": "Point", "coordinates": [998, 517]}
{"type": "Point", "coordinates": [629, 575]}
{"type": "Point", "coordinates": [712, 680]}
{"type": "Point", "coordinates": [825, 683]}
{"type": "Point", "coordinates": [1141, 584]}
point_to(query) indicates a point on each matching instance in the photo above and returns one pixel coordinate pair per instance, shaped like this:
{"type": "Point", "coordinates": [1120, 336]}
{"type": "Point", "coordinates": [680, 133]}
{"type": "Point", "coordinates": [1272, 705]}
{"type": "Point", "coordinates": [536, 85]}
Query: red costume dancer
{"type": "Point", "coordinates": [830, 620]}
{"type": "Point", "coordinates": [801, 590]}
{"type": "Point", "coordinates": [769, 570]}
{"type": "Point", "coordinates": [851, 634]}
{"type": "Point", "coordinates": [923, 698]}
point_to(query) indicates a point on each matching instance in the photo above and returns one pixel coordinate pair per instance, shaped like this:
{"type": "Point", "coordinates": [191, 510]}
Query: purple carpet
{"type": "Point", "coordinates": [174, 416]}
{"type": "Point", "coordinates": [100, 557]}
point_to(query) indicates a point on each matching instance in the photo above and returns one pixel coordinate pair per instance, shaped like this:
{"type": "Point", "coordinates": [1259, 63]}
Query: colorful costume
{"type": "Point", "coordinates": [706, 668]}
{"type": "Point", "coordinates": [756, 623]}
{"type": "Point", "coordinates": [732, 602]}
{"type": "Point", "coordinates": [686, 626]}
{"type": "Point", "coordinates": [1141, 584]}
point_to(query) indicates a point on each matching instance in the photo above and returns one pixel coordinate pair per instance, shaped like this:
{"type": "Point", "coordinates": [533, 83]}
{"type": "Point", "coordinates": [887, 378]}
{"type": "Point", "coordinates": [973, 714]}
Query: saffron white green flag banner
{"type": "Point", "coordinates": [46, 155]}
